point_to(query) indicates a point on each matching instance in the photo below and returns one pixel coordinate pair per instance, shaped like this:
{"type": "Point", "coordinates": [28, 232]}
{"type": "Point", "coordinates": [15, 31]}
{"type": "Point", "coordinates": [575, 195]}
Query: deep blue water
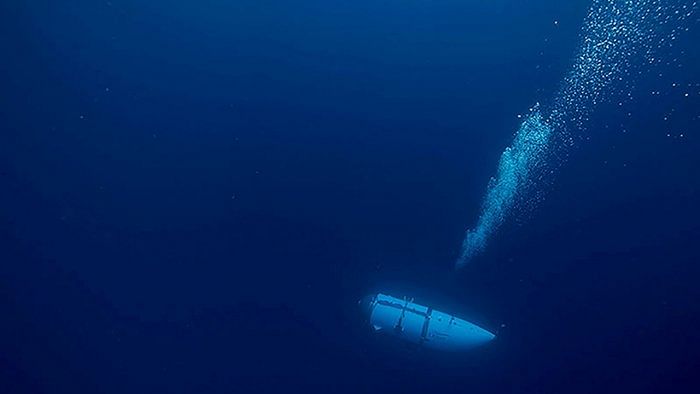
{"type": "Point", "coordinates": [196, 194]}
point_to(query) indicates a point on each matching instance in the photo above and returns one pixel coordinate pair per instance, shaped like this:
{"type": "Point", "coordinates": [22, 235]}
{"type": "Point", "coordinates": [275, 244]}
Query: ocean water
{"type": "Point", "coordinates": [195, 195]}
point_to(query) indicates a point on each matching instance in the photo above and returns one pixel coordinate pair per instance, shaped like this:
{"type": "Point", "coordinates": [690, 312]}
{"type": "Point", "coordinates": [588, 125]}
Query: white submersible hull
{"type": "Point", "coordinates": [422, 325]}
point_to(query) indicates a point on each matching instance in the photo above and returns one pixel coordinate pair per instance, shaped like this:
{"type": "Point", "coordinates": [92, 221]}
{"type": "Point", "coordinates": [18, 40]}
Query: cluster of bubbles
{"type": "Point", "coordinates": [616, 35]}
{"type": "Point", "coordinates": [516, 167]}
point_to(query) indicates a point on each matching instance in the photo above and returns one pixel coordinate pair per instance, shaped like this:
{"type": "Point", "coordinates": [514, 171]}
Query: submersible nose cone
{"type": "Point", "coordinates": [483, 335]}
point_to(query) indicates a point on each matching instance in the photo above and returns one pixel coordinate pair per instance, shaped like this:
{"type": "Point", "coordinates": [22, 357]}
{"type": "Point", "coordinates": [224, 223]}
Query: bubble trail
{"type": "Point", "coordinates": [615, 35]}
{"type": "Point", "coordinates": [515, 169]}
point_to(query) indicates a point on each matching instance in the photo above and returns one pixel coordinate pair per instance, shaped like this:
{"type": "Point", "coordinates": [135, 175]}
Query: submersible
{"type": "Point", "coordinates": [422, 325]}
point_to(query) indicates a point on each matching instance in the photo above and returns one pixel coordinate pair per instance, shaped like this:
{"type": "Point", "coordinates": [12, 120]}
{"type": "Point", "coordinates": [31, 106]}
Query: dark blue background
{"type": "Point", "coordinates": [195, 194]}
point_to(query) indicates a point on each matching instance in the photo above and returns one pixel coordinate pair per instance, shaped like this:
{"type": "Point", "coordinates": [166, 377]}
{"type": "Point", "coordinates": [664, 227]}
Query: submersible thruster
{"type": "Point", "coordinates": [422, 325]}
